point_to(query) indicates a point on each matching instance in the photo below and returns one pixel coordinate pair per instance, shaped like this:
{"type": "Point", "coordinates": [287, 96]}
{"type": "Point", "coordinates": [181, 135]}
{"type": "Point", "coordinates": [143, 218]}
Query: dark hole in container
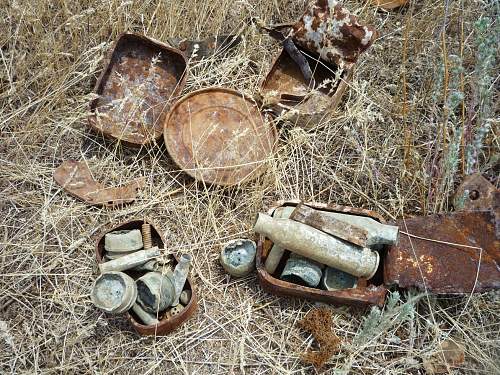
{"type": "Point", "coordinates": [474, 194]}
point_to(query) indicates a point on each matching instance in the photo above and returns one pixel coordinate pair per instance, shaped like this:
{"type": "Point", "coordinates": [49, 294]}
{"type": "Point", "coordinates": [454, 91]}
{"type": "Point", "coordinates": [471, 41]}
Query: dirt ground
{"type": "Point", "coordinates": [397, 145]}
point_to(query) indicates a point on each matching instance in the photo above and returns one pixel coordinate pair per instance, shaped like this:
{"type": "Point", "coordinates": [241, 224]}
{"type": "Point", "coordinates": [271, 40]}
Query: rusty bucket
{"type": "Point", "coordinates": [142, 80]}
{"type": "Point", "coordinates": [218, 136]}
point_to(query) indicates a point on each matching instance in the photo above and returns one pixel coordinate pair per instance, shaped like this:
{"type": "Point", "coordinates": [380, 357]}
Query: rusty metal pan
{"type": "Point", "coordinates": [454, 253]}
{"type": "Point", "coordinates": [218, 135]}
{"type": "Point", "coordinates": [142, 79]}
{"type": "Point", "coordinates": [166, 325]}
{"type": "Point", "coordinates": [371, 292]}
{"type": "Point", "coordinates": [286, 92]}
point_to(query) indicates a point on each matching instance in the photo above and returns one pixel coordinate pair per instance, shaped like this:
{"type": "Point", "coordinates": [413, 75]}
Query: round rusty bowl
{"type": "Point", "coordinates": [166, 325]}
{"type": "Point", "coordinates": [218, 136]}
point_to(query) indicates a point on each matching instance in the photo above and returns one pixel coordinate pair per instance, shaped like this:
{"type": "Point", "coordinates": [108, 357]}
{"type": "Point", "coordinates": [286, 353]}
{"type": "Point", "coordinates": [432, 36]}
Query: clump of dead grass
{"type": "Point", "coordinates": [381, 151]}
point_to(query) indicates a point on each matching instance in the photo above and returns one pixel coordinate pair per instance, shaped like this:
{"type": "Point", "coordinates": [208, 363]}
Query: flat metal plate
{"type": "Point", "coordinates": [437, 263]}
{"type": "Point", "coordinates": [218, 136]}
{"type": "Point", "coordinates": [141, 81]}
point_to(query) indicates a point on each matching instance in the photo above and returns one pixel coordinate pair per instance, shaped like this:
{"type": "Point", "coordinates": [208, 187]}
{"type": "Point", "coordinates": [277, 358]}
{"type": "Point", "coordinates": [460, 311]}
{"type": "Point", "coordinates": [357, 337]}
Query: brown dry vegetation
{"type": "Point", "coordinates": [382, 151]}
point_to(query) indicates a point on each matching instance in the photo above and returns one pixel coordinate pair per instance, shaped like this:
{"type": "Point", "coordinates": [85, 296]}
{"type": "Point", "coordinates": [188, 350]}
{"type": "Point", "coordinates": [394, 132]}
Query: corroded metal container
{"type": "Point", "coordinates": [218, 136]}
{"type": "Point", "coordinates": [370, 292]}
{"type": "Point", "coordinates": [142, 79]}
{"type": "Point", "coordinates": [167, 324]}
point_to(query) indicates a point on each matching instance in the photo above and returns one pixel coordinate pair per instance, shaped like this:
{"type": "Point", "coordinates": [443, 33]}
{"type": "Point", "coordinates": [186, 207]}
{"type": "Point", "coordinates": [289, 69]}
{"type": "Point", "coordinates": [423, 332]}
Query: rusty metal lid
{"type": "Point", "coordinates": [218, 135]}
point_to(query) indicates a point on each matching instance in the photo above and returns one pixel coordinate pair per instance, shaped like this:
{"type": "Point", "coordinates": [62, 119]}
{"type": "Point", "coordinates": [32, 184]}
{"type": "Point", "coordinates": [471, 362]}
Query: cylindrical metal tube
{"type": "Point", "coordinates": [146, 236]}
{"type": "Point", "coordinates": [319, 246]}
{"type": "Point", "coordinates": [180, 275]}
{"type": "Point", "coordinates": [129, 261]}
{"type": "Point", "coordinates": [276, 253]}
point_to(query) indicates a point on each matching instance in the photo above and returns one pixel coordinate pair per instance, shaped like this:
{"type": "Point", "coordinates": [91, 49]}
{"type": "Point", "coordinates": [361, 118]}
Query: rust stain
{"type": "Point", "coordinates": [218, 136]}
{"type": "Point", "coordinates": [437, 263]}
{"type": "Point", "coordinates": [75, 177]}
{"type": "Point", "coordinates": [141, 81]}
{"type": "Point", "coordinates": [333, 33]}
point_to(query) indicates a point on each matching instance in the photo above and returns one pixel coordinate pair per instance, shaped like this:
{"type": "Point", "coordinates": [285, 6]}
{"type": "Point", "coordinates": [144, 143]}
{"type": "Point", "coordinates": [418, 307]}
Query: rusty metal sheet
{"type": "Point", "coordinates": [195, 50]}
{"type": "Point", "coordinates": [142, 79]}
{"type": "Point", "coordinates": [75, 177]}
{"type": "Point", "coordinates": [446, 254]}
{"type": "Point", "coordinates": [333, 33]}
{"type": "Point", "coordinates": [371, 292]}
{"type": "Point", "coordinates": [474, 193]}
{"type": "Point", "coordinates": [314, 218]}
{"type": "Point", "coordinates": [218, 136]}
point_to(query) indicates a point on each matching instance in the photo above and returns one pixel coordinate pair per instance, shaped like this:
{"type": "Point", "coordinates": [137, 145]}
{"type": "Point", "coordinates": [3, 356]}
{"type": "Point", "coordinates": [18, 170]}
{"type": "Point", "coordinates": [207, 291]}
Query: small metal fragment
{"type": "Point", "coordinates": [75, 177]}
{"type": "Point", "coordinates": [180, 275]}
{"type": "Point", "coordinates": [302, 271]}
{"type": "Point", "coordinates": [129, 261]}
{"type": "Point", "coordinates": [334, 279]}
{"type": "Point", "coordinates": [123, 241]}
{"type": "Point", "coordinates": [238, 260]}
{"type": "Point", "coordinates": [475, 193]}
{"type": "Point", "coordinates": [146, 317]}
{"type": "Point", "coordinates": [146, 236]}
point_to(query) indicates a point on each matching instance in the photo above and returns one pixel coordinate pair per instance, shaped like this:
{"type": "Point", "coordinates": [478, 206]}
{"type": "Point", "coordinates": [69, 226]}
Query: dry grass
{"type": "Point", "coordinates": [382, 151]}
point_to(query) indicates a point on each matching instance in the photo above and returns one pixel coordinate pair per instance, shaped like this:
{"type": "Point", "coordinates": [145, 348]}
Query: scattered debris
{"type": "Point", "coordinates": [114, 292]}
{"type": "Point", "coordinates": [302, 271]}
{"type": "Point", "coordinates": [155, 281]}
{"type": "Point", "coordinates": [334, 279]}
{"type": "Point", "coordinates": [389, 4]}
{"type": "Point", "coordinates": [142, 79]}
{"type": "Point", "coordinates": [195, 50]}
{"type": "Point", "coordinates": [218, 136]}
{"type": "Point", "coordinates": [360, 230]}
{"type": "Point", "coordinates": [75, 177]}
{"type": "Point", "coordinates": [319, 246]}
{"type": "Point", "coordinates": [446, 254]}
{"type": "Point", "coordinates": [450, 355]}
{"type": "Point", "coordinates": [319, 322]}
{"type": "Point", "coordinates": [238, 257]}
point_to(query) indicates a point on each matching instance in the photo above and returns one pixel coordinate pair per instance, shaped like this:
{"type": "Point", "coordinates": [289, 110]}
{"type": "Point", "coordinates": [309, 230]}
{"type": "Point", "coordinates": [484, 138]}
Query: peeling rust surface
{"type": "Point", "coordinates": [437, 263]}
{"type": "Point", "coordinates": [218, 136]}
{"type": "Point", "coordinates": [333, 33]}
{"type": "Point", "coordinates": [348, 232]}
{"type": "Point", "coordinates": [75, 177]}
{"type": "Point", "coordinates": [141, 81]}
{"type": "Point", "coordinates": [474, 193]}
{"type": "Point", "coordinates": [364, 294]}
